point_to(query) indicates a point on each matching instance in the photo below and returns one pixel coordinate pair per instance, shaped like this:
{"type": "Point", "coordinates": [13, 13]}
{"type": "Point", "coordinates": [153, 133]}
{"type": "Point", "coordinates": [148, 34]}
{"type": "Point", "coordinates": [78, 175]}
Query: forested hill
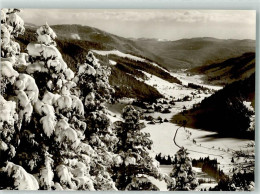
{"type": "Point", "coordinates": [195, 52]}
{"type": "Point", "coordinates": [229, 111]}
{"type": "Point", "coordinates": [124, 75]}
{"type": "Point", "coordinates": [183, 53]}
{"type": "Point", "coordinates": [231, 70]}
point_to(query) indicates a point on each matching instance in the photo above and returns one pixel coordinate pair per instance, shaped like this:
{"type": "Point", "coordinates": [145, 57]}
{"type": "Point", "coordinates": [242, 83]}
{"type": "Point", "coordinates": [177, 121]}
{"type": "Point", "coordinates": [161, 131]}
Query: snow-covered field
{"type": "Point", "coordinates": [205, 144]}
{"type": "Point", "coordinates": [124, 55]}
{"type": "Point", "coordinates": [118, 53]}
{"type": "Point", "coordinates": [162, 134]}
{"type": "Point", "coordinates": [115, 110]}
{"type": "Point", "coordinates": [166, 169]}
{"type": "Point", "coordinates": [166, 88]}
{"type": "Point", "coordinates": [199, 143]}
{"type": "Point", "coordinates": [75, 36]}
{"type": "Point", "coordinates": [182, 76]}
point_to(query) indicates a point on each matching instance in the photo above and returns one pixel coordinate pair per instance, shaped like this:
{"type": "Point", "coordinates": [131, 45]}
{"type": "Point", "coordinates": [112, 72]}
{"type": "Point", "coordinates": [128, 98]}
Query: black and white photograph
{"type": "Point", "coordinates": [127, 99]}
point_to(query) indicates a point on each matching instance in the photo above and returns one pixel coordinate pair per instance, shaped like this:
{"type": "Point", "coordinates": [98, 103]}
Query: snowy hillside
{"type": "Point", "coordinates": [55, 132]}
{"type": "Point", "coordinates": [168, 137]}
{"type": "Point", "coordinates": [118, 53]}
{"type": "Point", "coordinates": [83, 109]}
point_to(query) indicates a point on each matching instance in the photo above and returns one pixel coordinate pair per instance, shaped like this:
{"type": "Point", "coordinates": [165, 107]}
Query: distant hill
{"type": "Point", "coordinates": [180, 54]}
{"type": "Point", "coordinates": [74, 42]}
{"type": "Point", "coordinates": [124, 78]}
{"type": "Point", "coordinates": [194, 52]}
{"type": "Point", "coordinates": [224, 111]}
{"type": "Point", "coordinates": [123, 75]}
{"type": "Point", "coordinates": [231, 70]}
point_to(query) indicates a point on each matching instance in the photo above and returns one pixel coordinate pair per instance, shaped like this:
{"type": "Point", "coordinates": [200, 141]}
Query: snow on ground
{"type": "Point", "coordinates": [115, 110]}
{"type": "Point", "coordinates": [162, 40]}
{"type": "Point", "coordinates": [162, 185]}
{"type": "Point", "coordinates": [205, 186]}
{"type": "Point", "coordinates": [111, 62]}
{"type": "Point", "coordinates": [199, 143]}
{"type": "Point", "coordinates": [124, 55]}
{"type": "Point", "coordinates": [166, 169]}
{"type": "Point", "coordinates": [118, 53]}
{"type": "Point", "coordinates": [166, 88]}
{"type": "Point", "coordinates": [156, 65]}
{"type": "Point", "coordinates": [137, 78]}
{"type": "Point", "coordinates": [211, 182]}
{"type": "Point", "coordinates": [182, 76]}
{"type": "Point", "coordinates": [206, 143]}
{"type": "Point", "coordinates": [75, 36]}
{"type": "Point", "coordinates": [174, 90]}
{"type": "Point", "coordinates": [113, 118]}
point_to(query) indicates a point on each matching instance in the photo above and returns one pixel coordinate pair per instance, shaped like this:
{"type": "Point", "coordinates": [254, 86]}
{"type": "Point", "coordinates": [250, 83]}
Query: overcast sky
{"type": "Point", "coordinates": [161, 24]}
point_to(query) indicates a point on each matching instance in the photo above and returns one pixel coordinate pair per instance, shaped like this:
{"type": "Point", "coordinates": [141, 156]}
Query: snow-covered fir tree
{"type": "Point", "coordinates": [18, 95]}
{"type": "Point", "coordinates": [62, 158]}
{"type": "Point", "coordinates": [54, 130]}
{"type": "Point", "coordinates": [251, 115]}
{"type": "Point", "coordinates": [137, 166]}
{"type": "Point", "coordinates": [182, 172]}
{"type": "Point", "coordinates": [94, 90]}
{"type": "Point", "coordinates": [50, 139]}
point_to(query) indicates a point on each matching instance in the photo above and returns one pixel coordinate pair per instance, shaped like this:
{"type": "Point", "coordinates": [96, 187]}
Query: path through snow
{"type": "Point", "coordinates": [200, 143]}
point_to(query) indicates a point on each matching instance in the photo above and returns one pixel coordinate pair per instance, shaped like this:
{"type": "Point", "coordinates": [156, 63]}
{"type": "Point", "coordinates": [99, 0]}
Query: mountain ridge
{"type": "Point", "coordinates": [224, 111]}
{"type": "Point", "coordinates": [183, 53]}
{"type": "Point", "coordinates": [231, 70]}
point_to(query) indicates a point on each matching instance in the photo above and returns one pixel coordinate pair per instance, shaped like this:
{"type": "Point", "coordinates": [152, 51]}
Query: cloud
{"type": "Point", "coordinates": [183, 16]}
{"type": "Point", "coordinates": [188, 16]}
{"type": "Point", "coordinates": [153, 23]}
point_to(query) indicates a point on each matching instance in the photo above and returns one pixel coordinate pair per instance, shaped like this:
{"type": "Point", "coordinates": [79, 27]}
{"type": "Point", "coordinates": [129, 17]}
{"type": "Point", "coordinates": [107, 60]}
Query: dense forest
{"type": "Point", "coordinates": [229, 111]}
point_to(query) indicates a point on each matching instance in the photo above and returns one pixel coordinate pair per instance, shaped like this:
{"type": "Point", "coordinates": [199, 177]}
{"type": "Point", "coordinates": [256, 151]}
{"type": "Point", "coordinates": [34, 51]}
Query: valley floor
{"type": "Point", "coordinates": [199, 143]}
{"type": "Point", "coordinates": [205, 143]}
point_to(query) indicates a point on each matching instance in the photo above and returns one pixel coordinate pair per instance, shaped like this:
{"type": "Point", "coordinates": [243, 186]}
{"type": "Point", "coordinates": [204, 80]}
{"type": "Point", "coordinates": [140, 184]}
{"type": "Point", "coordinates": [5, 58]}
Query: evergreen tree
{"type": "Point", "coordinates": [136, 166]}
{"type": "Point", "coordinates": [18, 95]}
{"type": "Point", "coordinates": [94, 90]}
{"type": "Point", "coordinates": [182, 172]}
{"type": "Point", "coordinates": [48, 131]}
